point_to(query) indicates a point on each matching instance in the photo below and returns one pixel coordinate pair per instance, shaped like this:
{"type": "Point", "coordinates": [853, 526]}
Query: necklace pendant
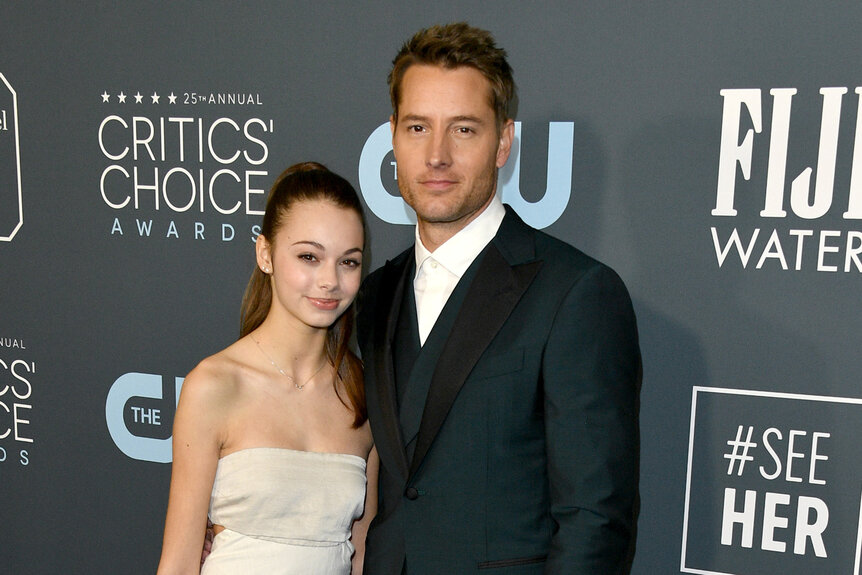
{"type": "Point", "coordinates": [282, 372]}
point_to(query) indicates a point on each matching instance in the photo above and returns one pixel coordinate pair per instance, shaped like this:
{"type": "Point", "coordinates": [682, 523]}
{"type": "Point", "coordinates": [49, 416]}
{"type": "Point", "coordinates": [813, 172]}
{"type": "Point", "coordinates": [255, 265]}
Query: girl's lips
{"type": "Point", "coordinates": [325, 304]}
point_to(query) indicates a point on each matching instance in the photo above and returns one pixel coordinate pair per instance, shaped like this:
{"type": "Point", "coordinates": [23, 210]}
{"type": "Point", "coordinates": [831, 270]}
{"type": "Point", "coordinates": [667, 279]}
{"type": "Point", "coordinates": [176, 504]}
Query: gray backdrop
{"type": "Point", "coordinates": [705, 150]}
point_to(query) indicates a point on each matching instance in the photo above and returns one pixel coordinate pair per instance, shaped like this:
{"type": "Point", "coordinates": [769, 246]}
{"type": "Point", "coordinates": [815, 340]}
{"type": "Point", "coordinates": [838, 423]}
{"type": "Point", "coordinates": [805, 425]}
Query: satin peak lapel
{"type": "Point", "coordinates": [493, 295]}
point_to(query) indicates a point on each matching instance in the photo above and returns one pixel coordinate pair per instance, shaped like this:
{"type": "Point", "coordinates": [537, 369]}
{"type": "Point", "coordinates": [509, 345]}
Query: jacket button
{"type": "Point", "coordinates": [411, 493]}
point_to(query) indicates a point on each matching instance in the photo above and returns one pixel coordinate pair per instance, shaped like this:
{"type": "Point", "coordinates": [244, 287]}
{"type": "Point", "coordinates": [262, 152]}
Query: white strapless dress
{"type": "Point", "coordinates": [285, 512]}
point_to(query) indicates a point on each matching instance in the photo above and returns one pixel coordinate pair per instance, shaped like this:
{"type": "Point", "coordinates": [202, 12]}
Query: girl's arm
{"type": "Point", "coordinates": [360, 526]}
{"type": "Point", "coordinates": [196, 446]}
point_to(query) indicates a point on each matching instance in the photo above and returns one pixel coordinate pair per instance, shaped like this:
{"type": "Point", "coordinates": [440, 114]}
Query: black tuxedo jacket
{"type": "Point", "coordinates": [526, 456]}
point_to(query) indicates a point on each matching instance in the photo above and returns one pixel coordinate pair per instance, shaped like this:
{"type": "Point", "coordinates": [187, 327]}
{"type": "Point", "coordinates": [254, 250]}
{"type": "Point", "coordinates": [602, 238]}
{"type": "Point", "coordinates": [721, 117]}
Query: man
{"type": "Point", "coordinates": [501, 365]}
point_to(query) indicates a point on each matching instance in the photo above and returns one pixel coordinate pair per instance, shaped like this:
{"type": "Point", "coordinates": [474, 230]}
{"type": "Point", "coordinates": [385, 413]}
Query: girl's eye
{"type": "Point", "coordinates": [307, 257]}
{"type": "Point", "coordinates": [352, 263]}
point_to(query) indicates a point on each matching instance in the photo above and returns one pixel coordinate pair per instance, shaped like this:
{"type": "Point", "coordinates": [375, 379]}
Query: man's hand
{"type": "Point", "coordinates": [208, 542]}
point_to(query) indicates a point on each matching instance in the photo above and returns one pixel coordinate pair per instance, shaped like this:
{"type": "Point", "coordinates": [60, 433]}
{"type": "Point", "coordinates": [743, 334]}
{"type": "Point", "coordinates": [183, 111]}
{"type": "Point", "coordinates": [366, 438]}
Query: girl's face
{"type": "Point", "coordinates": [315, 261]}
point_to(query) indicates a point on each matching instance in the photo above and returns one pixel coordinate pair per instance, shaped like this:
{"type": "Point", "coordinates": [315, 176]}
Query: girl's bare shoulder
{"type": "Point", "coordinates": [219, 378]}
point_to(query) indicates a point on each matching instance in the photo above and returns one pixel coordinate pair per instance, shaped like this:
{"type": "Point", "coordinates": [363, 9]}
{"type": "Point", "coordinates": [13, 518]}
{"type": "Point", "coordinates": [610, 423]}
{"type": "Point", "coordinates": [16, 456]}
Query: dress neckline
{"type": "Point", "coordinates": [318, 454]}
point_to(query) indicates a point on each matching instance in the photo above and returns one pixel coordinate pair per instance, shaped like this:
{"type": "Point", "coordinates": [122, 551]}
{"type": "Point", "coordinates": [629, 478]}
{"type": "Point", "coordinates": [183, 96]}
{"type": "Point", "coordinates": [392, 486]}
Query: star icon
{"type": "Point", "coordinates": [155, 98]}
{"type": "Point", "coordinates": [106, 97]}
{"type": "Point", "coordinates": [138, 98]}
{"type": "Point", "coordinates": [122, 97]}
{"type": "Point", "coordinates": [172, 99]}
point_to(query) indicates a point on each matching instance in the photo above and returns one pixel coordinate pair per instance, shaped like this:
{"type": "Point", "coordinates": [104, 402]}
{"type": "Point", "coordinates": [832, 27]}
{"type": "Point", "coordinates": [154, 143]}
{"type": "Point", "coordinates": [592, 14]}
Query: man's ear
{"type": "Point", "coordinates": [507, 136]}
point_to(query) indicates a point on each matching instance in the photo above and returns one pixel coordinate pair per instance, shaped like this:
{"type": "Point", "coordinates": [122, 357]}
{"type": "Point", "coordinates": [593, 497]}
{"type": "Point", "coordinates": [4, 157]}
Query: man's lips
{"type": "Point", "coordinates": [437, 183]}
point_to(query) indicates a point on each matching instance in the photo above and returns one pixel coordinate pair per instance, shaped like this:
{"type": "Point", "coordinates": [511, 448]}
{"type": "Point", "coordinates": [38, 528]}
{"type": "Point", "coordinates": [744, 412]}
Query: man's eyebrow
{"type": "Point", "coordinates": [467, 118]}
{"type": "Point", "coordinates": [413, 118]}
{"type": "Point", "coordinates": [462, 118]}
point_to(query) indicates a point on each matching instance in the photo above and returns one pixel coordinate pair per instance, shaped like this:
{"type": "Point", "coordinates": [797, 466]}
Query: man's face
{"type": "Point", "coordinates": [447, 147]}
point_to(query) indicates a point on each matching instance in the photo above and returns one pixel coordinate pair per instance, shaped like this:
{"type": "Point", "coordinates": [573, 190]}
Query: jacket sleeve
{"type": "Point", "coordinates": [591, 377]}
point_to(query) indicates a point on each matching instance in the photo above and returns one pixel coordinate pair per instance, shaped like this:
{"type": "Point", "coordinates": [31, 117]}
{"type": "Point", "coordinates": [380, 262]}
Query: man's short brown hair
{"type": "Point", "coordinates": [453, 46]}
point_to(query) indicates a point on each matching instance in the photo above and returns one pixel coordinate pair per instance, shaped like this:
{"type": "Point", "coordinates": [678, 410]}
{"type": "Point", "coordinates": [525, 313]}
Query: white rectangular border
{"type": "Point", "coordinates": [773, 394]}
{"type": "Point", "coordinates": [17, 161]}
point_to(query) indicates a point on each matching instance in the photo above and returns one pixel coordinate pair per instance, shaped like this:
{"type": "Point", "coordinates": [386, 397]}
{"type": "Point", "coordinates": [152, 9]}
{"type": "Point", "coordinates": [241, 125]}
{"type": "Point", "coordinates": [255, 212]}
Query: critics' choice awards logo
{"type": "Point", "coordinates": [376, 165]}
{"type": "Point", "coordinates": [797, 238]}
{"type": "Point", "coordinates": [773, 484]}
{"type": "Point", "coordinates": [11, 208]}
{"type": "Point", "coordinates": [17, 376]}
{"type": "Point", "coordinates": [171, 162]}
{"type": "Point", "coordinates": [139, 413]}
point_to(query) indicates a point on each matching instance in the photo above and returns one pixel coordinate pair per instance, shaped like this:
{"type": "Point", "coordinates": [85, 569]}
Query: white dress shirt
{"type": "Point", "coordinates": [438, 272]}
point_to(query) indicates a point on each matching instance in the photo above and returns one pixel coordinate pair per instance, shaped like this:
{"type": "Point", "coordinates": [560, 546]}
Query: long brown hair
{"type": "Point", "coordinates": [304, 182]}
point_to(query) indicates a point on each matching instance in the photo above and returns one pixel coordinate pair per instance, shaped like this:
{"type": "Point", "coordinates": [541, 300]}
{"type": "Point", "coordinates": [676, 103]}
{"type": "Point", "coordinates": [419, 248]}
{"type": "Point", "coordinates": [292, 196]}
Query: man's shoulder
{"type": "Point", "coordinates": [382, 279]}
{"type": "Point", "coordinates": [380, 274]}
{"type": "Point", "coordinates": [521, 239]}
{"type": "Point", "coordinates": [562, 265]}
{"type": "Point", "coordinates": [562, 254]}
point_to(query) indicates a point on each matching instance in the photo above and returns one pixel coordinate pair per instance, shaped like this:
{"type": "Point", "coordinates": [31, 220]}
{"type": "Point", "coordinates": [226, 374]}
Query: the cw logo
{"type": "Point", "coordinates": [140, 387]}
{"type": "Point", "coordinates": [11, 210]}
{"type": "Point", "coordinates": [540, 214]}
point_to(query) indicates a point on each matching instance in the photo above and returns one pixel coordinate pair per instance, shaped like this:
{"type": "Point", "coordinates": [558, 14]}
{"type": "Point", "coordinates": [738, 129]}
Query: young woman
{"type": "Point", "coordinates": [270, 435]}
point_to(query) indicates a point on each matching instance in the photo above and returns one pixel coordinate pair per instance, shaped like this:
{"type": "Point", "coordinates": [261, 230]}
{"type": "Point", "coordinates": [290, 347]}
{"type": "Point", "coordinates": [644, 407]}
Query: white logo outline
{"type": "Point", "coordinates": [17, 162]}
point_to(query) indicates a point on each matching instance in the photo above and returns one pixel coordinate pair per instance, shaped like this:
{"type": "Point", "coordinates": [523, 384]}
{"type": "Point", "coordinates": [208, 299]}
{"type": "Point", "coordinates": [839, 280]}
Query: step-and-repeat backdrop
{"type": "Point", "coordinates": [711, 152]}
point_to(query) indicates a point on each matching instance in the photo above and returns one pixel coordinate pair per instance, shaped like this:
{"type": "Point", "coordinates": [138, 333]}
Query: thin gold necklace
{"type": "Point", "coordinates": [282, 372]}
